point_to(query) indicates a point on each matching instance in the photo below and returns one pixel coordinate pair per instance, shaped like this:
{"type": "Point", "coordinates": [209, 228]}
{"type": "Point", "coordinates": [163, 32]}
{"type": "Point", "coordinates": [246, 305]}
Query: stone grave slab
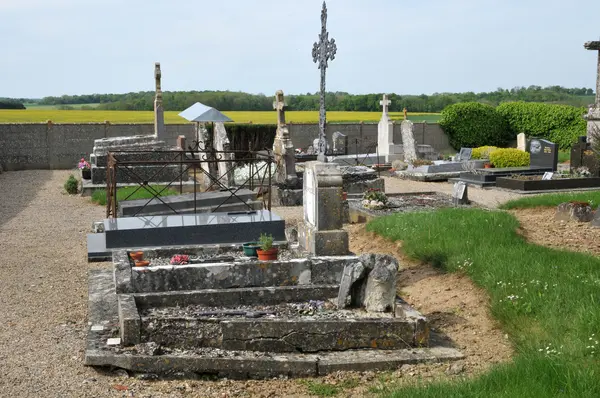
{"type": "Point", "coordinates": [205, 202]}
{"type": "Point", "coordinates": [188, 229]}
{"type": "Point", "coordinates": [544, 154]}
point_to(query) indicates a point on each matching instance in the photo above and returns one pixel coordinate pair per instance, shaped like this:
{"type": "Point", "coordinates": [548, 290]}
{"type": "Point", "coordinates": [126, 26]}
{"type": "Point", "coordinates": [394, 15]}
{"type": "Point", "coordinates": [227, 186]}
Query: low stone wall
{"type": "Point", "coordinates": [30, 146]}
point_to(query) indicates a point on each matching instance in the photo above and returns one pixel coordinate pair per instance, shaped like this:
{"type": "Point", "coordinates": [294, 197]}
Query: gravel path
{"type": "Point", "coordinates": [43, 296]}
{"type": "Point", "coordinates": [486, 197]}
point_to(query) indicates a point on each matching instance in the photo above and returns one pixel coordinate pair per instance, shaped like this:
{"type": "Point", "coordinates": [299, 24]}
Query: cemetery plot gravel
{"type": "Point", "coordinates": [44, 299]}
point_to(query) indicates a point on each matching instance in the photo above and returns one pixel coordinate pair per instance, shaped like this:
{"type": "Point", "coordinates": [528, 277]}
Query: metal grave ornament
{"type": "Point", "coordinates": [323, 51]}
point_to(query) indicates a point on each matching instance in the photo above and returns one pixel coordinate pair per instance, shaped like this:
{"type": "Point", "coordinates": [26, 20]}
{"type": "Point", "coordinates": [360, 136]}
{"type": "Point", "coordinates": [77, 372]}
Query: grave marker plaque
{"type": "Point", "coordinates": [465, 154]}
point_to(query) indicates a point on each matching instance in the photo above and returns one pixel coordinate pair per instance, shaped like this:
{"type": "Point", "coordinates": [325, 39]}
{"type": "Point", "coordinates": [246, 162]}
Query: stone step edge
{"type": "Point", "coordinates": [245, 366]}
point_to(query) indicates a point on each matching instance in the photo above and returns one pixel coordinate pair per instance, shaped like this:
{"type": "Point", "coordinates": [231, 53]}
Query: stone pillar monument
{"type": "Point", "coordinates": [385, 134]}
{"type": "Point", "coordinates": [321, 233]}
{"type": "Point", "coordinates": [283, 148]}
{"type": "Point", "coordinates": [159, 113]}
{"type": "Point", "coordinates": [593, 115]}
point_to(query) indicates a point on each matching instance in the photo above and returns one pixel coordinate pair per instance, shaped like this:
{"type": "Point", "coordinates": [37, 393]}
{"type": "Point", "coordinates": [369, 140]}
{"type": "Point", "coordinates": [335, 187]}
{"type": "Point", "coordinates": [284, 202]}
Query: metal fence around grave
{"type": "Point", "coordinates": [192, 164]}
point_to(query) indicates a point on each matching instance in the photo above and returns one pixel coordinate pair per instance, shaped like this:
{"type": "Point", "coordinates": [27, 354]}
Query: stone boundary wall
{"type": "Point", "coordinates": [30, 146]}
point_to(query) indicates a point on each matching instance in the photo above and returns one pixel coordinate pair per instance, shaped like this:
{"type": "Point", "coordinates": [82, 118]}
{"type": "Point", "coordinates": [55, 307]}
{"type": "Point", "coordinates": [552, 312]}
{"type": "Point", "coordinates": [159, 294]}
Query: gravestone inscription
{"type": "Point", "coordinates": [465, 154]}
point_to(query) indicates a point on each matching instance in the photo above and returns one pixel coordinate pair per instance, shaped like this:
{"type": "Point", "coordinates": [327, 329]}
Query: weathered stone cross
{"type": "Point", "coordinates": [157, 76]}
{"type": "Point", "coordinates": [323, 51]}
{"type": "Point", "coordinates": [279, 106]}
{"type": "Point", "coordinates": [385, 102]}
{"type": "Point", "coordinates": [595, 45]}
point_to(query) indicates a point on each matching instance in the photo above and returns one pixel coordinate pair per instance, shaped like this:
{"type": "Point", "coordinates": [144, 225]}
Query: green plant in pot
{"type": "Point", "coordinates": [266, 251]}
{"type": "Point", "coordinates": [250, 249]}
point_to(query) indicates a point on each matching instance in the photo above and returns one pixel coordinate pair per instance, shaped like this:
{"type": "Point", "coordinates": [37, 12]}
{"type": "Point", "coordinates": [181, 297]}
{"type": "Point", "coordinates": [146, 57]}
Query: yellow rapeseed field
{"type": "Point", "coordinates": [93, 116]}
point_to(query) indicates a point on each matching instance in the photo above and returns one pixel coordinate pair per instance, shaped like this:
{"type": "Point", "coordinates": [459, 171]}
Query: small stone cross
{"type": "Point", "coordinates": [279, 106]}
{"type": "Point", "coordinates": [385, 102]}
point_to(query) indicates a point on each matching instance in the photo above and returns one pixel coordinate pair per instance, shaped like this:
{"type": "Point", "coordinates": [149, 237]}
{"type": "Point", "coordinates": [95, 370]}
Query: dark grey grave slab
{"type": "Point", "coordinates": [97, 251]}
{"type": "Point", "coordinates": [543, 153]}
{"type": "Point", "coordinates": [487, 177]}
{"type": "Point", "coordinates": [465, 154]}
{"type": "Point", "coordinates": [189, 229]}
{"type": "Point", "coordinates": [185, 202]}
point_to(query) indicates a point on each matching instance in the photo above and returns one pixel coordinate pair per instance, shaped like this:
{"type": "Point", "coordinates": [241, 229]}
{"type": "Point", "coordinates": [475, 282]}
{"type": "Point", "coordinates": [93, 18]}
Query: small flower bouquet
{"type": "Point", "coordinates": [84, 166]}
{"type": "Point", "coordinates": [374, 199]}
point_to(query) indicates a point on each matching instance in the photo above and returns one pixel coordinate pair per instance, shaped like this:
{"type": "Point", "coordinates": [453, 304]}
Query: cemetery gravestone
{"type": "Point", "coordinates": [544, 154]}
{"type": "Point", "coordinates": [283, 148]}
{"type": "Point", "coordinates": [159, 113]}
{"type": "Point", "coordinates": [340, 143]}
{"type": "Point", "coordinates": [321, 232]}
{"type": "Point", "coordinates": [408, 141]}
{"type": "Point", "coordinates": [460, 194]}
{"type": "Point", "coordinates": [465, 154]}
{"type": "Point", "coordinates": [593, 116]}
{"type": "Point", "coordinates": [521, 142]}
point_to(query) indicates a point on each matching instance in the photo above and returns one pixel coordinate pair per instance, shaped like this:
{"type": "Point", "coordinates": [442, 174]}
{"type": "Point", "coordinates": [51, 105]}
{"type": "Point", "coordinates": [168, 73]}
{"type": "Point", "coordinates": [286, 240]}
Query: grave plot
{"type": "Point", "coordinates": [525, 183]}
{"type": "Point", "coordinates": [363, 210]}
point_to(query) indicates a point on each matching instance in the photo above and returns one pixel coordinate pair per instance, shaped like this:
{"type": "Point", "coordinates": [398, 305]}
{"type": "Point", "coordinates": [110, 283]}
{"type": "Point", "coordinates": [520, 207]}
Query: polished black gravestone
{"type": "Point", "coordinates": [184, 230]}
{"type": "Point", "coordinates": [192, 229]}
{"type": "Point", "coordinates": [543, 158]}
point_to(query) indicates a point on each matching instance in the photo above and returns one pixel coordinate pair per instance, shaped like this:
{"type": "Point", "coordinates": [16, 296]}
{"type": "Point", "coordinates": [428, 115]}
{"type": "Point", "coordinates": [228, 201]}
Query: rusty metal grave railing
{"type": "Point", "coordinates": [194, 164]}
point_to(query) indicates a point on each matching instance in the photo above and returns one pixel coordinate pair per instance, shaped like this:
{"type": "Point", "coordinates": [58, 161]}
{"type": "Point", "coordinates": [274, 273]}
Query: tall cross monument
{"type": "Point", "coordinates": [385, 103]}
{"type": "Point", "coordinates": [593, 116]}
{"type": "Point", "coordinates": [159, 113]}
{"type": "Point", "coordinates": [283, 148]}
{"type": "Point", "coordinates": [323, 51]}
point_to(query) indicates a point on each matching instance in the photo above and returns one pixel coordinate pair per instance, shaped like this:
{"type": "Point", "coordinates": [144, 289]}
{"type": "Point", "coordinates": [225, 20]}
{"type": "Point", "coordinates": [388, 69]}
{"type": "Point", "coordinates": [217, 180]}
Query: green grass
{"type": "Point", "coordinates": [564, 156]}
{"type": "Point", "coordinates": [547, 300]}
{"type": "Point", "coordinates": [552, 200]}
{"type": "Point", "coordinates": [32, 106]}
{"type": "Point", "coordinates": [327, 389]}
{"type": "Point", "coordinates": [132, 193]}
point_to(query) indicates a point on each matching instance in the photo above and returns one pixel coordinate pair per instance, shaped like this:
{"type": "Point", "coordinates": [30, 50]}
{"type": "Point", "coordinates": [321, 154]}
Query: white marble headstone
{"type": "Point", "coordinates": [310, 197]}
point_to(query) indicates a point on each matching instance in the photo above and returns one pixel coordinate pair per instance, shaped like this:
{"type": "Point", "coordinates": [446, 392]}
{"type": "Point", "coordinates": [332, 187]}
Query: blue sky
{"type": "Point", "coordinates": [56, 47]}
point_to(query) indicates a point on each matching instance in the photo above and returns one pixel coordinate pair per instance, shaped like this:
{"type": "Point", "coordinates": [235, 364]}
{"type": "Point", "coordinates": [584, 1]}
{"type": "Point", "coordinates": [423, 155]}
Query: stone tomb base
{"type": "Point", "coordinates": [323, 243]}
{"type": "Point", "coordinates": [257, 319]}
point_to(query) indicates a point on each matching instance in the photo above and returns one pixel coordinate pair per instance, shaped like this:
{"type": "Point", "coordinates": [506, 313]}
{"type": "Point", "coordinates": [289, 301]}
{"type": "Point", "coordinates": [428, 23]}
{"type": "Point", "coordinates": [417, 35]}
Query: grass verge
{"type": "Point", "coordinates": [547, 300]}
{"type": "Point", "coordinates": [132, 193]}
{"type": "Point", "coordinates": [552, 200]}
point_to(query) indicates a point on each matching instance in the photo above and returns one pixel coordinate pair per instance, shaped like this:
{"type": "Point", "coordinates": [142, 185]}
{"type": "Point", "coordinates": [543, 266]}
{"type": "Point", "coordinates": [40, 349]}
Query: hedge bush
{"type": "Point", "coordinates": [472, 124]}
{"type": "Point", "coordinates": [509, 157]}
{"type": "Point", "coordinates": [483, 152]}
{"type": "Point", "coordinates": [561, 124]}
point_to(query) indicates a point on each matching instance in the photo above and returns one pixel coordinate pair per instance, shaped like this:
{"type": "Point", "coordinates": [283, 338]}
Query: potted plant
{"type": "Point", "coordinates": [84, 166]}
{"type": "Point", "coordinates": [488, 166]}
{"type": "Point", "coordinates": [137, 255]}
{"type": "Point", "coordinates": [250, 249]}
{"type": "Point", "coordinates": [267, 251]}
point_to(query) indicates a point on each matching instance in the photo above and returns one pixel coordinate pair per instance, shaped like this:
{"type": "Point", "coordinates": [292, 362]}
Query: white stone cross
{"type": "Point", "coordinates": [385, 102]}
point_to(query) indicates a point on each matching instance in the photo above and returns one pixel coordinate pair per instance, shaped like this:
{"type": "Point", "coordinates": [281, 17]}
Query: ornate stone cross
{"type": "Point", "coordinates": [279, 106]}
{"type": "Point", "coordinates": [595, 45]}
{"type": "Point", "coordinates": [385, 102]}
{"type": "Point", "coordinates": [157, 76]}
{"type": "Point", "coordinates": [323, 51]}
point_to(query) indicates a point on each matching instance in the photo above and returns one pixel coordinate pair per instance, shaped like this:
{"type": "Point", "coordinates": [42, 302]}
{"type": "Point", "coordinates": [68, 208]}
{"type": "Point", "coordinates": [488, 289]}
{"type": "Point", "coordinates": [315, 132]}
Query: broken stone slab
{"type": "Point", "coordinates": [574, 211]}
{"type": "Point", "coordinates": [380, 290]}
{"type": "Point", "coordinates": [352, 273]}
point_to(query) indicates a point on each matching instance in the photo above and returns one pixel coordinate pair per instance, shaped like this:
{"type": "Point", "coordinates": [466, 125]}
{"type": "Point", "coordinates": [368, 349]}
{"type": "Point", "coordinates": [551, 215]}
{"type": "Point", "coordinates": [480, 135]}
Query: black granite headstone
{"type": "Point", "coordinates": [543, 154]}
{"type": "Point", "coordinates": [465, 154]}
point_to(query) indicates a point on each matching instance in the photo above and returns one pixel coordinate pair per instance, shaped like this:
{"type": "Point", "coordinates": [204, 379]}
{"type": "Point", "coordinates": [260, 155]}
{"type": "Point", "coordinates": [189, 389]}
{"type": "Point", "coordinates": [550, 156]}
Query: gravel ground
{"type": "Point", "coordinates": [43, 297]}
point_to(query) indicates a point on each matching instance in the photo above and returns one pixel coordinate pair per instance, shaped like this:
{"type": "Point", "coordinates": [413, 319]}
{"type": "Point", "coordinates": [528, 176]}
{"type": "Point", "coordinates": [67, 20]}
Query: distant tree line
{"type": "Point", "coordinates": [336, 101]}
{"type": "Point", "coordinates": [9, 103]}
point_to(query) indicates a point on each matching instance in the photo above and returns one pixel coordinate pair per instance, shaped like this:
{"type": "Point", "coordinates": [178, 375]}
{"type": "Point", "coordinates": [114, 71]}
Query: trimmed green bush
{"type": "Point", "coordinates": [71, 185]}
{"type": "Point", "coordinates": [483, 152]}
{"type": "Point", "coordinates": [561, 124]}
{"type": "Point", "coordinates": [472, 124]}
{"type": "Point", "coordinates": [509, 157]}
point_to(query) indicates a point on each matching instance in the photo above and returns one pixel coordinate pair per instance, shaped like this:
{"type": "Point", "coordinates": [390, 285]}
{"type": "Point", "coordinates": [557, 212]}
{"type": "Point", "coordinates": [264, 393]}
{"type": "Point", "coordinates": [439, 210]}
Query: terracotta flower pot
{"type": "Point", "coordinates": [142, 263]}
{"type": "Point", "coordinates": [267, 255]}
{"type": "Point", "coordinates": [136, 256]}
{"type": "Point", "coordinates": [488, 166]}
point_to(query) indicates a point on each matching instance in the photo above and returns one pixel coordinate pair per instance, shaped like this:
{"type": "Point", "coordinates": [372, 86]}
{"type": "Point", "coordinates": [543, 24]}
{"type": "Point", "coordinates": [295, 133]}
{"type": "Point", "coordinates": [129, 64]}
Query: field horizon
{"type": "Point", "coordinates": [42, 115]}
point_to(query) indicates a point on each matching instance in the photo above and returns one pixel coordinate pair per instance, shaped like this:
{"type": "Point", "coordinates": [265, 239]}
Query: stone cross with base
{"type": "Point", "coordinates": [283, 148]}
{"type": "Point", "coordinates": [159, 114]}
{"type": "Point", "coordinates": [593, 116]}
{"type": "Point", "coordinates": [385, 103]}
{"type": "Point", "coordinates": [324, 50]}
